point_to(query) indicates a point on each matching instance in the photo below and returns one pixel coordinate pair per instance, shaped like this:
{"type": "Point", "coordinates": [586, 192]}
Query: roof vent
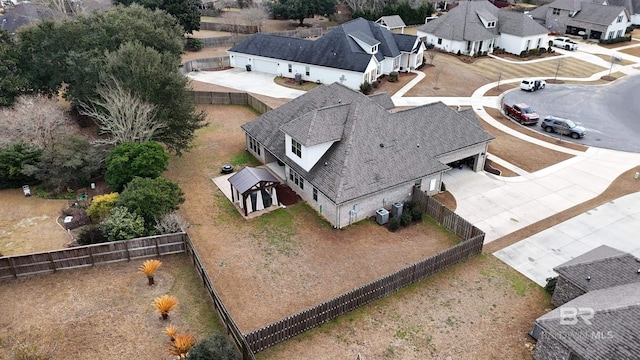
{"type": "Point", "coordinates": [588, 278]}
{"type": "Point", "coordinates": [326, 163]}
{"type": "Point", "coordinates": [418, 145]}
{"type": "Point", "coordinates": [381, 145]}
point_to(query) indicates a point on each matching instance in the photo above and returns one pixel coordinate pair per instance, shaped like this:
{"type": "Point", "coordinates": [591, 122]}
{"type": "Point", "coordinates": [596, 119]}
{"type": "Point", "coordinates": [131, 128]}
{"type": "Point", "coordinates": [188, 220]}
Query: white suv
{"type": "Point", "coordinates": [532, 85]}
{"type": "Point", "coordinates": [565, 43]}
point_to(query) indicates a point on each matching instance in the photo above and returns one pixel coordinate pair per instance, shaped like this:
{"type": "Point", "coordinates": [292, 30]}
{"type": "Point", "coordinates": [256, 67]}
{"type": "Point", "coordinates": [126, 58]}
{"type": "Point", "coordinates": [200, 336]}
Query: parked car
{"type": "Point", "coordinates": [532, 85]}
{"type": "Point", "coordinates": [565, 43]}
{"type": "Point", "coordinates": [563, 126]}
{"type": "Point", "coordinates": [522, 113]}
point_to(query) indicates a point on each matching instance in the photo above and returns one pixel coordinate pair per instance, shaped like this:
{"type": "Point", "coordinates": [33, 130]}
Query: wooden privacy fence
{"type": "Point", "coordinates": [244, 31]}
{"type": "Point", "coordinates": [232, 328]}
{"type": "Point", "coordinates": [213, 63]}
{"type": "Point", "coordinates": [90, 255]}
{"type": "Point", "coordinates": [230, 98]}
{"type": "Point", "coordinates": [293, 325]}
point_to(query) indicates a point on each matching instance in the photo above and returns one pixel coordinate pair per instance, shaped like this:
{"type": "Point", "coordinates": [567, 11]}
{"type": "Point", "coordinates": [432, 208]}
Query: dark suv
{"type": "Point", "coordinates": [563, 126]}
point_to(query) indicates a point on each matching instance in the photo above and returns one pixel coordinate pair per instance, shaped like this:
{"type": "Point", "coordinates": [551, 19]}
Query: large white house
{"type": "Point", "coordinates": [476, 27]}
{"type": "Point", "coordinates": [596, 20]}
{"type": "Point", "coordinates": [352, 53]}
{"type": "Point", "coordinates": [347, 155]}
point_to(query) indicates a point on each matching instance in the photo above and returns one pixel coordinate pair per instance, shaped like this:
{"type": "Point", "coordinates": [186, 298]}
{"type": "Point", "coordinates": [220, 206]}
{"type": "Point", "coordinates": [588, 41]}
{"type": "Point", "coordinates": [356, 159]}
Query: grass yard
{"type": "Point", "coordinates": [103, 312]}
{"type": "Point", "coordinates": [479, 309]}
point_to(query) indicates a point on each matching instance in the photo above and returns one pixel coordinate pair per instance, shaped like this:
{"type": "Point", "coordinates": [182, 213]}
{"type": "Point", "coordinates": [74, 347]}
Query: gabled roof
{"type": "Point", "coordinates": [248, 177]}
{"type": "Point", "coordinates": [463, 23]}
{"type": "Point", "coordinates": [318, 126]}
{"type": "Point", "coordinates": [598, 14]}
{"type": "Point", "coordinates": [540, 12]}
{"type": "Point", "coordinates": [377, 149]}
{"type": "Point", "coordinates": [392, 21]}
{"type": "Point", "coordinates": [612, 333]}
{"type": "Point", "coordinates": [518, 24]}
{"type": "Point", "coordinates": [632, 6]}
{"type": "Point", "coordinates": [603, 267]}
{"type": "Point", "coordinates": [336, 49]}
{"type": "Point", "coordinates": [571, 5]}
{"type": "Point", "coordinates": [20, 15]}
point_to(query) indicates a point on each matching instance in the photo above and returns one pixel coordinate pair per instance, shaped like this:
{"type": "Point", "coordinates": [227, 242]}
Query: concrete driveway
{"type": "Point", "coordinates": [249, 81]}
{"type": "Point", "coordinates": [609, 112]}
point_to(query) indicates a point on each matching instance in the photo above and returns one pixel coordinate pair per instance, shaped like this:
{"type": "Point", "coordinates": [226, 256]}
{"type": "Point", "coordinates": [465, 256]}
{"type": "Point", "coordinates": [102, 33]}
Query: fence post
{"type": "Point", "coordinates": [53, 263]}
{"type": "Point", "coordinates": [126, 247]}
{"type": "Point", "coordinates": [93, 261]}
{"type": "Point", "coordinates": [13, 267]}
{"type": "Point", "coordinates": [157, 247]}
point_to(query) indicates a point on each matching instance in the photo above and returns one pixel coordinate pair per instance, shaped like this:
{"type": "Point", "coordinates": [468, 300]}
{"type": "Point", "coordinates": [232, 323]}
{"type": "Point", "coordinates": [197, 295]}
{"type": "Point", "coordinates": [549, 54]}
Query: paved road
{"type": "Point", "coordinates": [609, 112]}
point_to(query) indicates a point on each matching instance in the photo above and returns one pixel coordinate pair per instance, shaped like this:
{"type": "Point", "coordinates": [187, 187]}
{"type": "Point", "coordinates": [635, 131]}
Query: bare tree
{"type": "Point", "coordinates": [171, 223]}
{"type": "Point", "coordinates": [432, 55]}
{"type": "Point", "coordinates": [72, 8]}
{"type": "Point", "coordinates": [254, 15]}
{"type": "Point", "coordinates": [36, 120]}
{"type": "Point", "coordinates": [558, 66]}
{"type": "Point", "coordinates": [122, 115]}
{"type": "Point", "coordinates": [373, 5]}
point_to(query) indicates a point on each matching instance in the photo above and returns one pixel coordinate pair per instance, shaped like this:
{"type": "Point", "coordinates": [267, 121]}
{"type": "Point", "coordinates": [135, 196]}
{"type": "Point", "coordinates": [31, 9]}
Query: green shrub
{"type": "Point", "coordinates": [214, 347]}
{"type": "Point", "coordinates": [409, 205]}
{"type": "Point", "coordinates": [416, 215]}
{"type": "Point", "coordinates": [122, 225]}
{"type": "Point", "coordinates": [366, 87]}
{"type": "Point", "coordinates": [405, 218]}
{"type": "Point", "coordinates": [101, 205]}
{"type": "Point", "coordinates": [394, 224]}
{"type": "Point", "coordinates": [91, 235]}
{"type": "Point", "coordinates": [393, 76]}
{"type": "Point", "coordinates": [194, 44]}
{"type": "Point", "coordinates": [551, 284]}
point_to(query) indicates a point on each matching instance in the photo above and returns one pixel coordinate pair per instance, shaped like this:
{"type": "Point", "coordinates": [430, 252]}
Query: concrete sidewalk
{"type": "Point", "coordinates": [616, 224]}
{"type": "Point", "coordinates": [249, 81]}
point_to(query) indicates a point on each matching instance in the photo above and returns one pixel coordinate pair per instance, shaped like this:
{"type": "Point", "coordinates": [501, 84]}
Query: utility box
{"type": "Point", "coordinates": [298, 78]}
{"type": "Point", "coordinates": [396, 209]}
{"type": "Point", "coordinates": [382, 216]}
{"type": "Point", "coordinates": [248, 66]}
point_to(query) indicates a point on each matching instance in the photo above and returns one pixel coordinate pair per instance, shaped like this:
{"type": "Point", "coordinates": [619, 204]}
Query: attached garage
{"type": "Point", "coordinates": [265, 66]}
{"type": "Point", "coordinates": [241, 61]}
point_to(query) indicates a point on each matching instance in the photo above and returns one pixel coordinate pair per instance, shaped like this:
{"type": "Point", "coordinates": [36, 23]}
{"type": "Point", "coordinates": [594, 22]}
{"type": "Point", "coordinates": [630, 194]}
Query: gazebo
{"type": "Point", "coordinates": [248, 183]}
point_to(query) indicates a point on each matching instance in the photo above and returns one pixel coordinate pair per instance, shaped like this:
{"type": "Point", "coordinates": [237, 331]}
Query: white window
{"type": "Point", "coordinates": [556, 11]}
{"type": "Point", "coordinates": [610, 36]}
{"type": "Point", "coordinates": [619, 19]}
{"type": "Point", "coordinates": [539, 43]}
{"type": "Point", "coordinates": [290, 67]}
{"type": "Point", "coordinates": [528, 44]}
{"type": "Point", "coordinates": [296, 148]}
{"type": "Point", "coordinates": [396, 62]}
{"type": "Point", "coordinates": [439, 41]}
{"type": "Point", "coordinates": [253, 145]}
{"type": "Point", "coordinates": [315, 194]}
{"type": "Point", "coordinates": [619, 34]}
{"type": "Point", "coordinates": [432, 184]}
{"type": "Point", "coordinates": [297, 179]}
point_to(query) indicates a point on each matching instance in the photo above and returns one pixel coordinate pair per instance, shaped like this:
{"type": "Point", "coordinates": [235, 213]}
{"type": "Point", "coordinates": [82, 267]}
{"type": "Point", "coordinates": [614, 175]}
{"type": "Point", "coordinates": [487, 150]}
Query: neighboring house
{"type": "Point", "coordinates": [347, 155]}
{"type": "Point", "coordinates": [352, 53]}
{"type": "Point", "coordinates": [475, 27]}
{"type": "Point", "coordinates": [575, 17]}
{"type": "Point", "coordinates": [598, 294]}
{"type": "Point", "coordinates": [391, 23]}
{"type": "Point", "coordinates": [632, 7]}
{"type": "Point", "coordinates": [19, 15]}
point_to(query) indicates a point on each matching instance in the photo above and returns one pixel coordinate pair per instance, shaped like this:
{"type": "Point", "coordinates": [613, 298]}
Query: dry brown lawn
{"type": "Point", "coordinates": [103, 312]}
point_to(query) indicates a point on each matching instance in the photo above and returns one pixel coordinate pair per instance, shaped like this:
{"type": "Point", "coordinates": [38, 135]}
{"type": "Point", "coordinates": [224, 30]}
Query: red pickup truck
{"type": "Point", "coordinates": [522, 113]}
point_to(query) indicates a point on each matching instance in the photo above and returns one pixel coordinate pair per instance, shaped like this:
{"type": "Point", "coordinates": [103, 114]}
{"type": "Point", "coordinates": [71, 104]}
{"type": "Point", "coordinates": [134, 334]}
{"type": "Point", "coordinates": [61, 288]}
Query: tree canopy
{"type": "Point", "coordinates": [129, 160]}
{"type": "Point", "coordinates": [12, 82]}
{"type": "Point", "coordinates": [214, 347]}
{"type": "Point", "coordinates": [302, 9]}
{"type": "Point", "coordinates": [186, 12]}
{"type": "Point", "coordinates": [151, 198]}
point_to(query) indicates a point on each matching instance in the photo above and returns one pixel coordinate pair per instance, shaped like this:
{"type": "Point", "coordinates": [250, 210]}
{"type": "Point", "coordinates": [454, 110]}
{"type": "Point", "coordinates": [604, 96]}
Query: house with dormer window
{"type": "Point", "coordinates": [477, 27]}
{"type": "Point", "coordinates": [595, 20]}
{"type": "Point", "coordinates": [352, 53]}
{"type": "Point", "coordinates": [347, 155]}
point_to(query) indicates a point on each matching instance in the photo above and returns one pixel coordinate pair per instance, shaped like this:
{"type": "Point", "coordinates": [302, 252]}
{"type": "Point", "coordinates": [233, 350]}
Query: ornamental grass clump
{"type": "Point", "coordinates": [165, 304]}
{"type": "Point", "coordinates": [149, 267]}
{"type": "Point", "coordinates": [181, 345]}
{"type": "Point", "coordinates": [171, 331]}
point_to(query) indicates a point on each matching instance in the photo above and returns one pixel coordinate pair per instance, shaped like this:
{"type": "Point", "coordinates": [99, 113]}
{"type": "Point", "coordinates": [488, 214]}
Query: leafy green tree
{"type": "Point", "coordinates": [12, 81]}
{"type": "Point", "coordinates": [152, 76]}
{"type": "Point", "coordinates": [101, 206]}
{"type": "Point", "coordinates": [214, 347]}
{"type": "Point", "coordinates": [70, 162]}
{"type": "Point", "coordinates": [12, 160]}
{"type": "Point", "coordinates": [302, 9]}
{"type": "Point", "coordinates": [128, 160]}
{"type": "Point", "coordinates": [72, 52]}
{"type": "Point", "coordinates": [121, 224]}
{"type": "Point", "coordinates": [186, 12]}
{"type": "Point", "coordinates": [151, 198]}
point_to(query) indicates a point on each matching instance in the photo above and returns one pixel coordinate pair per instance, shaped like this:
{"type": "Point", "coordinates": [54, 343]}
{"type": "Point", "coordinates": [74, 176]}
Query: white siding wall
{"type": "Point", "coordinates": [310, 155]}
{"type": "Point", "coordinates": [325, 75]}
{"type": "Point", "coordinates": [515, 44]}
{"type": "Point", "coordinates": [635, 19]}
{"type": "Point", "coordinates": [446, 45]}
{"type": "Point", "coordinates": [616, 26]}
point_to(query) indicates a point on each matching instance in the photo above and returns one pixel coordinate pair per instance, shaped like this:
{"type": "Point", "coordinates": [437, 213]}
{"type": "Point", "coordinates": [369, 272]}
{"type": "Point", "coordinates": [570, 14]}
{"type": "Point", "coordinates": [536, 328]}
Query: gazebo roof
{"type": "Point", "coordinates": [248, 177]}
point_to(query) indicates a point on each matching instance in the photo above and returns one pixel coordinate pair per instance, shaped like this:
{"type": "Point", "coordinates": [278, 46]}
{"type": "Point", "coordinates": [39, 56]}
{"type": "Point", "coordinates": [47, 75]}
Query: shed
{"type": "Point", "coordinates": [251, 182]}
{"type": "Point", "coordinates": [392, 22]}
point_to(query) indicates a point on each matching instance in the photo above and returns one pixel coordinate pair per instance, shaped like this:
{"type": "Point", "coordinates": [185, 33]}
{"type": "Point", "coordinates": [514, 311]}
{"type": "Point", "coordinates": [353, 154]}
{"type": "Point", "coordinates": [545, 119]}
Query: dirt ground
{"type": "Point", "coordinates": [103, 312]}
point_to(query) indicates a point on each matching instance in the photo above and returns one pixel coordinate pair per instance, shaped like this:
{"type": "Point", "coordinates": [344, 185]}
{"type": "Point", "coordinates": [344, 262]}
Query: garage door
{"type": "Point", "coordinates": [241, 61]}
{"type": "Point", "coordinates": [265, 66]}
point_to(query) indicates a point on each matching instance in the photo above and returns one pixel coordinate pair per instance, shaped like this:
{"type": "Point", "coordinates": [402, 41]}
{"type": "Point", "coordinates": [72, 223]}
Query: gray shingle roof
{"type": "Point", "coordinates": [604, 266]}
{"type": "Point", "coordinates": [318, 126]}
{"type": "Point", "coordinates": [614, 330]}
{"type": "Point", "coordinates": [463, 23]}
{"type": "Point", "coordinates": [540, 12]}
{"type": "Point", "coordinates": [392, 21]}
{"type": "Point", "coordinates": [571, 5]}
{"type": "Point", "coordinates": [632, 6]}
{"type": "Point", "coordinates": [357, 164]}
{"type": "Point", "coordinates": [248, 177]}
{"type": "Point", "coordinates": [22, 14]}
{"type": "Point", "coordinates": [597, 14]}
{"type": "Point", "coordinates": [384, 100]}
{"type": "Point", "coordinates": [336, 49]}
